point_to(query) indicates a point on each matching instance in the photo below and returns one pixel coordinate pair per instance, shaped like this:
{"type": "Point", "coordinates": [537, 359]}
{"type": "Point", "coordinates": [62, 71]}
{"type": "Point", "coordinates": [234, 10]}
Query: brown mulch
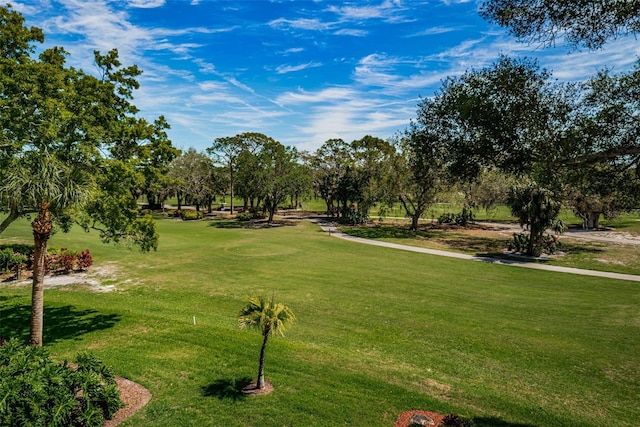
{"type": "Point", "coordinates": [252, 389]}
{"type": "Point", "coordinates": [404, 420]}
{"type": "Point", "coordinates": [134, 397]}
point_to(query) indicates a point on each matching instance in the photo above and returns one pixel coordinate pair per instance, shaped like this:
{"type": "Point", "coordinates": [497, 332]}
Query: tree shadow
{"type": "Point", "coordinates": [60, 323]}
{"type": "Point", "coordinates": [227, 388]}
{"type": "Point", "coordinates": [252, 224]}
{"type": "Point", "coordinates": [497, 422]}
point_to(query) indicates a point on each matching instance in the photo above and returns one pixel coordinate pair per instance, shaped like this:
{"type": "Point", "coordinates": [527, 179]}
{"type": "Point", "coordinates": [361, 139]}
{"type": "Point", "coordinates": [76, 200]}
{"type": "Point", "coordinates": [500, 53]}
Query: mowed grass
{"type": "Point", "coordinates": [379, 332]}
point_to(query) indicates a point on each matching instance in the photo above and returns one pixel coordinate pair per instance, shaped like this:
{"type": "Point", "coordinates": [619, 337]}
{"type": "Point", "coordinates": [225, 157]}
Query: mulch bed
{"type": "Point", "coordinates": [404, 420]}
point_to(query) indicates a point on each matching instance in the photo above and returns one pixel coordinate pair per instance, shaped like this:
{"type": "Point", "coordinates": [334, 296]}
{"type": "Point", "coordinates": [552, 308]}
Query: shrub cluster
{"type": "Point", "coordinates": [187, 215]}
{"type": "Point", "coordinates": [11, 260]}
{"type": "Point", "coordinates": [462, 218]}
{"type": "Point", "coordinates": [36, 391]}
{"type": "Point", "coordinates": [520, 242]}
{"type": "Point", "coordinates": [65, 260]}
{"type": "Point", "coordinates": [456, 420]}
{"type": "Point", "coordinates": [248, 216]}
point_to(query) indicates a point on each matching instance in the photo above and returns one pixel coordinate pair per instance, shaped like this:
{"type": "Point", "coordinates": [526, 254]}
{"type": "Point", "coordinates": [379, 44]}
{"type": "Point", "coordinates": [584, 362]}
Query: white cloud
{"type": "Point", "coordinates": [302, 24]}
{"type": "Point", "coordinates": [351, 32]}
{"type": "Point", "coordinates": [146, 4]}
{"type": "Point", "coordinates": [283, 69]}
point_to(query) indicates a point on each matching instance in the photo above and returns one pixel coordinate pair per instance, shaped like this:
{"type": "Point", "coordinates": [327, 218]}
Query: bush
{"type": "Point", "coordinates": [248, 216]}
{"type": "Point", "coordinates": [191, 215]}
{"type": "Point", "coordinates": [66, 261]}
{"type": "Point", "coordinates": [463, 218]}
{"type": "Point", "coordinates": [38, 391]}
{"type": "Point", "coordinates": [84, 260]}
{"type": "Point", "coordinates": [456, 420]}
{"type": "Point", "coordinates": [520, 243]}
{"type": "Point", "coordinates": [10, 260]}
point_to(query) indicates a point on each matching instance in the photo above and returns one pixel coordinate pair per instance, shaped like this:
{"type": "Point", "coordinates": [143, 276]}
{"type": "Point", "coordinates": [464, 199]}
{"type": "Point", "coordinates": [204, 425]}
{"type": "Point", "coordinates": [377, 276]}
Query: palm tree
{"type": "Point", "coordinates": [269, 317]}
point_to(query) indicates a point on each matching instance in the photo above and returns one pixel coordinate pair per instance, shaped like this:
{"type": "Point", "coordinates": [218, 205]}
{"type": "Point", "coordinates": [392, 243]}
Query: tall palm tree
{"type": "Point", "coordinates": [269, 317]}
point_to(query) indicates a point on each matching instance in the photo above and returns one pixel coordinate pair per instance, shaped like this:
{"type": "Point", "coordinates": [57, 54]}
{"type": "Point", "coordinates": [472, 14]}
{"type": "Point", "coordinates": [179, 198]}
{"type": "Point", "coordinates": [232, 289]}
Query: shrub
{"type": "Point", "coordinates": [248, 216]}
{"type": "Point", "coordinates": [456, 420]}
{"type": "Point", "coordinates": [520, 242]}
{"type": "Point", "coordinates": [65, 260]}
{"type": "Point", "coordinates": [11, 260]}
{"type": "Point", "coordinates": [38, 391]}
{"type": "Point", "coordinates": [84, 260]}
{"type": "Point", "coordinates": [447, 218]}
{"type": "Point", "coordinates": [191, 215]}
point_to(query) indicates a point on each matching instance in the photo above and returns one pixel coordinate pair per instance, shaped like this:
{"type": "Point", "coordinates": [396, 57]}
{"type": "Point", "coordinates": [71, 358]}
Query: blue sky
{"type": "Point", "coordinates": [300, 71]}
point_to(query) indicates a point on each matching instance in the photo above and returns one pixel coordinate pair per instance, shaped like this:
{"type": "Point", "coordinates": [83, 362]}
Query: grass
{"type": "Point", "coordinates": [379, 332]}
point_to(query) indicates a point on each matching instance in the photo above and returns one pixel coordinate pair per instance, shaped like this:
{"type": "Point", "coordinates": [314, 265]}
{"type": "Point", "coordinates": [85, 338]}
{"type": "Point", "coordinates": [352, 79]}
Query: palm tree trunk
{"type": "Point", "coordinates": [41, 232]}
{"type": "Point", "coordinates": [260, 382]}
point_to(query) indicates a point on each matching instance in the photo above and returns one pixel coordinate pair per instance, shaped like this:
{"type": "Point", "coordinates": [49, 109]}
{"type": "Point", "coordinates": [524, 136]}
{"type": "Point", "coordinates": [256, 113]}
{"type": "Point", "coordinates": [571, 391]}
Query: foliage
{"type": "Point", "coordinates": [37, 391]}
{"type": "Point", "coordinates": [65, 260]}
{"type": "Point", "coordinates": [463, 218]}
{"type": "Point", "coordinates": [456, 421]}
{"type": "Point", "coordinates": [520, 243]}
{"type": "Point", "coordinates": [10, 260]}
{"type": "Point", "coordinates": [269, 317]}
{"type": "Point", "coordinates": [589, 24]}
{"type": "Point", "coordinates": [248, 216]}
{"type": "Point", "coordinates": [189, 215]}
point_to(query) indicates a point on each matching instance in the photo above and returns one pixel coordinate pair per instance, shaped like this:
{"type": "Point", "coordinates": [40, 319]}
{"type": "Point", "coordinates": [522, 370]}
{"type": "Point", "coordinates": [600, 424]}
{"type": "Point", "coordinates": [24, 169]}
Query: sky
{"type": "Point", "coordinates": [299, 71]}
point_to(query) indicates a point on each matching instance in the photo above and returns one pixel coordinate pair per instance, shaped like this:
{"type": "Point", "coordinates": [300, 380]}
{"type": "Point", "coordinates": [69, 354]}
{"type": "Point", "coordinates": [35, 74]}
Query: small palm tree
{"type": "Point", "coordinates": [269, 317]}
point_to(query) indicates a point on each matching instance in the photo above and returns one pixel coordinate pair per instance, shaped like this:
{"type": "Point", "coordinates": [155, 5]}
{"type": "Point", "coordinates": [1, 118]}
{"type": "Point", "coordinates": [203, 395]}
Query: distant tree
{"type": "Point", "coordinates": [328, 166]}
{"type": "Point", "coordinates": [279, 167]}
{"type": "Point", "coordinates": [418, 172]}
{"type": "Point", "coordinates": [269, 317]}
{"type": "Point", "coordinates": [372, 160]}
{"type": "Point", "coordinates": [196, 177]}
{"type": "Point", "coordinates": [227, 150]}
{"type": "Point", "coordinates": [585, 23]}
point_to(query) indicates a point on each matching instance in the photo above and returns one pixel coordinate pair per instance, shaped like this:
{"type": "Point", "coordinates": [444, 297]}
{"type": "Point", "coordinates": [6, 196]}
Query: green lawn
{"type": "Point", "coordinates": [379, 332]}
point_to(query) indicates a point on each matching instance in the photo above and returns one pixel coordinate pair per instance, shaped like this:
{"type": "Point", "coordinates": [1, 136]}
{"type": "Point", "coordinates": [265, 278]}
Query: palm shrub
{"type": "Point", "coordinates": [268, 317]}
{"type": "Point", "coordinates": [36, 391]}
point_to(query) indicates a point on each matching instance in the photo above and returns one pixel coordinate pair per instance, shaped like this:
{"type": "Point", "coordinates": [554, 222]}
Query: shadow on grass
{"type": "Point", "coordinates": [60, 323]}
{"type": "Point", "coordinates": [497, 422]}
{"type": "Point", "coordinates": [227, 388]}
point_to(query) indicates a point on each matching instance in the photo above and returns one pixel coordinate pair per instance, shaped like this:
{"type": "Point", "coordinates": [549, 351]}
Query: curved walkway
{"type": "Point", "coordinates": [333, 230]}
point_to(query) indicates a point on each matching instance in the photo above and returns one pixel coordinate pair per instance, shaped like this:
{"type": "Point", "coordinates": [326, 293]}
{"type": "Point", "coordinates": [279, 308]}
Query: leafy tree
{"type": "Point", "coordinates": [56, 123]}
{"type": "Point", "coordinates": [279, 167]}
{"type": "Point", "coordinates": [328, 165]}
{"type": "Point", "coordinates": [583, 23]}
{"type": "Point", "coordinates": [372, 160]}
{"type": "Point", "coordinates": [196, 177]}
{"type": "Point", "coordinates": [508, 116]}
{"type": "Point", "coordinates": [269, 317]}
{"type": "Point", "coordinates": [228, 149]}
{"type": "Point", "coordinates": [419, 172]}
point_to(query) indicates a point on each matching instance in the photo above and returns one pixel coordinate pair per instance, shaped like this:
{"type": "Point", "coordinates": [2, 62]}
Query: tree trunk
{"type": "Point", "coordinates": [414, 222]}
{"type": "Point", "coordinates": [41, 232]}
{"type": "Point", "coordinates": [260, 382]}
{"type": "Point", "coordinates": [13, 215]}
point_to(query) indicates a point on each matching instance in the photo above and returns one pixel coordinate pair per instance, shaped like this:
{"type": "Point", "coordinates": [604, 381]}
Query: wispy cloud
{"type": "Point", "coordinates": [351, 32]}
{"type": "Point", "coordinates": [283, 69]}
{"type": "Point", "coordinates": [434, 31]}
{"type": "Point", "coordinates": [301, 23]}
{"type": "Point", "coordinates": [146, 4]}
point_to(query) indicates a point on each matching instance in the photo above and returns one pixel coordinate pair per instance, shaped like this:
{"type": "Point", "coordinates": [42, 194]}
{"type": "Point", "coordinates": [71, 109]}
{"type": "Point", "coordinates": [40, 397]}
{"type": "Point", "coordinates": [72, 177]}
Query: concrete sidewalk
{"type": "Point", "coordinates": [333, 230]}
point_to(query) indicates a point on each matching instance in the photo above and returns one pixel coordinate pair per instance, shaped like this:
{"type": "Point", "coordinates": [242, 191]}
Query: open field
{"type": "Point", "coordinates": [379, 331]}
